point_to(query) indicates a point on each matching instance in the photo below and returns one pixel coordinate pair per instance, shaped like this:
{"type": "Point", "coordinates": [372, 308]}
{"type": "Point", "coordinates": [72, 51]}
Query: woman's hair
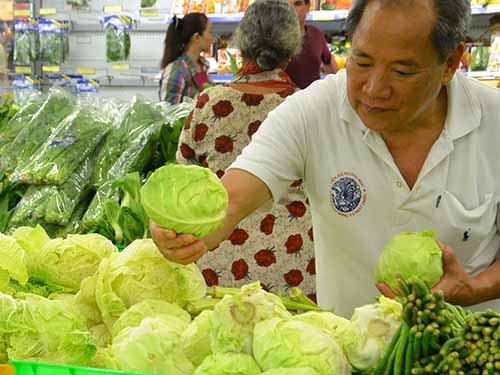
{"type": "Point", "coordinates": [269, 33]}
{"type": "Point", "coordinates": [179, 34]}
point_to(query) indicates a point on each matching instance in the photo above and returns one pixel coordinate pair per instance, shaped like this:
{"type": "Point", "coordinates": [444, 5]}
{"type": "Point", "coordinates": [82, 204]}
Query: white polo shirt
{"type": "Point", "coordinates": [359, 198]}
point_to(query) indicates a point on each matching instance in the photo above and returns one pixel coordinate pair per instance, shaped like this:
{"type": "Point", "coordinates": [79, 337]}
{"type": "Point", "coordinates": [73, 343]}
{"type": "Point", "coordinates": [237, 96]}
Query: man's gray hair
{"type": "Point", "coordinates": [269, 33]}
{"type": "Point", "coordinates": [450, 29]}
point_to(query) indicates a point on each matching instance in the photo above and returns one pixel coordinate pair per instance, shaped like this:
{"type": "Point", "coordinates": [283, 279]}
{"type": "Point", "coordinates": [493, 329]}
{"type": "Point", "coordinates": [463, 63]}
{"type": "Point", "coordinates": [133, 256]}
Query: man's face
{"type": "Point", "coordinates": [393, 72]}
{"type": "Point", "coordinates": [301, 8]}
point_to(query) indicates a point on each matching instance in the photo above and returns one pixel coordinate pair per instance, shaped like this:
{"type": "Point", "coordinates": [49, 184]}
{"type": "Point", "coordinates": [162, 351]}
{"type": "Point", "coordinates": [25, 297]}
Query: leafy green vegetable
{"type": "Point", "coordinates": [291, 371]}
{"type": "Point", "coordinates": [117, 44]}
{"type": "Point", "coordinates": [291, 343]}
{"type": "Point", "coordinates": [75, 140]}
{"type": "Point", "coordinates": [10, 195]}
{"type": "Point", "coordinates": [187, 199]}
{"type": "Point", "coordinates": [86, 304]}
{"type": "Point", "coordinates": [152, 309]}
{"type": "Point", "coordinates": [40, 329]}
{"type": "Point", "coordinates": [235, 317]}
{"type": "Point", "coordinates": [52, 42]}
{"type": "Point", "coordinates": [66, 262]}
{"type": "Point", "coordinates": [152, 347]}
{"type": "Point", "coordinates": [8, 110]}
{"type": "Point", "coordinates": [169, 139]}
{"type": "Point", "coordinates": [78, 3]}
{"type": "Point", "coordinates": [410, 254]}
{"type": "Point", "coordinates": [196, 338]}
{"type": "Point", "coordinates": [147, 3]}
{"type": "Point", "coordinates": [95, 217]}
{"type": "Point", "coordinates": [31, 239]}
{"type": "Point", "coordinates": [12, 263]}
{"type": "Point", "coordinates": [56, 107]}
{"type": "Point", "coordinates": [25, 43]}
{"type": "Point", "coordinates": [139, 273]}
{"type": "Point", "coordinates": [228, 364]}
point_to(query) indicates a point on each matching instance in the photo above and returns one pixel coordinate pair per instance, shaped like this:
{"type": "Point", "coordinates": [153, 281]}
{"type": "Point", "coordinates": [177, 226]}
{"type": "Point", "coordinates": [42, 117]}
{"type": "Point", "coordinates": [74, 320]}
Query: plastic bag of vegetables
{"type": "Point", "coordinates": [117, 37]}
{"type": "Point", "coordinates": [51, 41]}
{"type": "Point", "coordinates": [25, 42]}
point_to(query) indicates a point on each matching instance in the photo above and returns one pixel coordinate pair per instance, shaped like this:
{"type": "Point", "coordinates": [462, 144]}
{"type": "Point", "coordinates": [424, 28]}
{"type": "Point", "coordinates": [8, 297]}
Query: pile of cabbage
{"type": "Point", "coordinates": [78, 301]}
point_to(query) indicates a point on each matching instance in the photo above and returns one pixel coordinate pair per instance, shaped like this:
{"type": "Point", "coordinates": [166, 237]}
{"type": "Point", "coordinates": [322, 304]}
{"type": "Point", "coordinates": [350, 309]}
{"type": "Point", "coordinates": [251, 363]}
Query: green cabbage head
{"type": "Point", "coordinates": [228, 364]}
{"type": "Point", "coordinates": [152, 308]}
{"type": "Point", "coordinates": [235, 317]}
{"type": "Point", "coordinates": [195, 340]}
{"type": "Point", "coordinates": [292, 343]}
{"type": "Point", "coordinates": [152, 347]}
{"type": "Point", "coordinates": [291, 371]}
{"type": "Point", "coordinates": [66, 262]}
{"type": "Point", "coordinates": [12, 263]}
{"type": "Point", "coordinates": [140, 273]}
{"type": "Point", "coordinates": [410, 254]}
{"type": "Point", "coordinates": [31, 239]}
{"type": "Point", "coordinates": [186, 199]}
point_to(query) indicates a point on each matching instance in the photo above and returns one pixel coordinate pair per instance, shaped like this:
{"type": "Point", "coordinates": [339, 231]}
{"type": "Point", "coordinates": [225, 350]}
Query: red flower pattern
{"type": "Point", "coordinates": [297, 209]}
{"type": "Point", "coordinates": [200, 131]}
{"type": "Point", "coordinates": [267, 224]}
{"type": "Point", "coordinates": [252, 100]}
{"type": "Point", "coordinates": [211, 276]}
{"type": "Point", "coordinates": [265, 257]}
{"type": "Point", "coordinates": [222, 109]}
{"type": "Point", "coordinates": [220, 173]}
{"type": "Point", "coordinates": [294, 244]}
{"type": "Point", "coordinates": [238, 237]}
{"type": "Point", "coordinates": [187, 124]}
{"type": "Point", "coordinates": [224, 144]}
{"type": "Point", "coordinates": [253, 127]}
{"type": "Point", "coordinates": [294, 277]}
{"type": "Point", "coordinates": [311, 267]}
{"type": "Point", "coordinates": [202, 100]}
{"type": "Point", "coordinates": [310, 233]}
{"type": "Point", "coordinates": [187, 152]}
{"type": "Point", "coordinates": [239, 269]}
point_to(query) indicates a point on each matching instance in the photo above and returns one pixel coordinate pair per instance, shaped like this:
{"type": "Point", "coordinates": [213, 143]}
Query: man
{"type": "Point", "coordinates": [305, 68]}
{"type": "Point", "coordinates": [399, 142]}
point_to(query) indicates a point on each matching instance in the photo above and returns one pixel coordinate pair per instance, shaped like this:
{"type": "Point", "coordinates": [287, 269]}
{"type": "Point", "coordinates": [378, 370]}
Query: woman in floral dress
{"type": "Point", "coordinates": [274, 246]}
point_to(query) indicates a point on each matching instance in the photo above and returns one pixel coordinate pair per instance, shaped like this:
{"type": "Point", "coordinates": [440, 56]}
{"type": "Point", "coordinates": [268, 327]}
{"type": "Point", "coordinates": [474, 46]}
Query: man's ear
{"type": "Point", "coordinates": [453, 63]}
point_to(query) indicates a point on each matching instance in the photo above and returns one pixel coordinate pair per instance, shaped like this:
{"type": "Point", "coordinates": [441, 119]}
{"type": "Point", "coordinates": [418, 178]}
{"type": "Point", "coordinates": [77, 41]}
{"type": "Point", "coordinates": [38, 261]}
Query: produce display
{"type": "Point", "coordinates": [77, 165]}
{"type": "Point", "coordinates": [117, 37]}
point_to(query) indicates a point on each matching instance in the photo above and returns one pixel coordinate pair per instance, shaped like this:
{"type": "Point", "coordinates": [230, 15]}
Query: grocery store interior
{"type": "Point", "coordinates": [240, 187]}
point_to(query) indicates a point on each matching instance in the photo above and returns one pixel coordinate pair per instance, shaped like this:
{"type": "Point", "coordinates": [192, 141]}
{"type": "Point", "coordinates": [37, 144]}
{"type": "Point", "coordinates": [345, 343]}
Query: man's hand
{"type": "Point", "coordinates": [183, 249]}
{"type": "Point", "coordinates": [457, 285]}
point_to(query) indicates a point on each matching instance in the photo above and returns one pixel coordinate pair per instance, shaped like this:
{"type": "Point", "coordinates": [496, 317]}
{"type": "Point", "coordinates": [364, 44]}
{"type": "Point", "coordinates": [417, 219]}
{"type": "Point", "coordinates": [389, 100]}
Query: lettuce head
{"type": "Point", "coordinates": [152, 347]}
{"type": "Point", "coordinates": [410, 254]}
{"type": "Point", "coordinates": [291, 371]}
{"type": "Point", "coordinates": [187, 199]}
{"type": "Point", "coordinates": [228, 364]}
{"type": "Point", "coordinates": [85, 302]}
{"type": "Point", "coordinates": [31, 239]}
{"type": "Point", "coordinates": [152, 308]}
{"type": "Point", "coordinates": [67, 262]}
{"type": "Point", "coordinates": [12, 263]}
{"type": "Point", "coordinates": [235, 317]}
{"type": "Point", "coordinates": [140, 273]}
{"type": "Point", "coordinates": [195, 340]}
{"type": "Point", "coordinates": [292, 343]}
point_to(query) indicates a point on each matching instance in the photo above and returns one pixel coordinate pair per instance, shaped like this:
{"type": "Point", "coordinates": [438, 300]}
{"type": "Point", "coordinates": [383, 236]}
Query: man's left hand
{"type": "Point", "coordinates": [457, 285]}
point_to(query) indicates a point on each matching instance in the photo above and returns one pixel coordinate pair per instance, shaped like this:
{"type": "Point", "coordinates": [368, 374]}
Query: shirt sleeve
{"type": "Point", "coordinates": [326, 55]}
{"type": "Point", "coordinates": [277, 153]}
{"type": "Point", "coordinates": [174, 83]}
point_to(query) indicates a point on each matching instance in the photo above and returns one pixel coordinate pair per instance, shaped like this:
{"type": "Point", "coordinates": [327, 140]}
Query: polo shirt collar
{"type": "Point", "coordinates": [464, 109]}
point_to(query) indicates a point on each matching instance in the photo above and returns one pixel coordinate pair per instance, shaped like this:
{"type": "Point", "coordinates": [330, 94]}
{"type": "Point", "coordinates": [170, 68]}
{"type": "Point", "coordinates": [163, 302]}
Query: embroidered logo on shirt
{"type": "Point", "coordinates": [347, 194]}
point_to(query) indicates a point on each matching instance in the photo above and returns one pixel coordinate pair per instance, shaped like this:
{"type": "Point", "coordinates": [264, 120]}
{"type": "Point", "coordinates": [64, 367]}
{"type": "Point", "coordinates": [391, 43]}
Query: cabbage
{"type": "Point", "coordinates": [31, 239]}
{"type": "Point", "coordinates": [228, 364]}
{"type": "Point", "coordinates": [235, 317]}
{"type": "Point", "coordinates": [12, 263]}
{"type": "Point", "coordinates": [101, 335]}
{"type": "Point", "coordinates": [377, 324]}
{"type": "Point", "coordinates": [152, 309]}
{"type": "Point", "coordinates": [139, 273]}
{"type": "Point", "coordinates": [40, 329]}
{"type": "Point", "coordinates": [292, 343]}
{"type": "Point", "coordinates": [66, 262]}
{"type": "Point", "coordinates": [187, 199]}
{"type": "Point", "coordinates": [410, 254]}
{"type": "Point", "coordinates": [152, 347]}
{"type": "Point", "coordinates": [195, 340]}
{"type": "Point", "coordinates": [291, 371]}
{"type": "Point", "coordinates": [85, 302]}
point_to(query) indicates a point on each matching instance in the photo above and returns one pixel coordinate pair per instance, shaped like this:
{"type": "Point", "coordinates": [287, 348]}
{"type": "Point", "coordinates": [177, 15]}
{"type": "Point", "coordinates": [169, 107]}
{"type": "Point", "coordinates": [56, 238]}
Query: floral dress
{"type": "Point", "coordinates": [274, 247]}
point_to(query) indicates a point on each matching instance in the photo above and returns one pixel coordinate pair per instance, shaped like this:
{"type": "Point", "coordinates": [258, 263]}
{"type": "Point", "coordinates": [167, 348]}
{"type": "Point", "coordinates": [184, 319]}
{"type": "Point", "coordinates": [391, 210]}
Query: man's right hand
{"type": "Point", "coordinates": [183, 248]}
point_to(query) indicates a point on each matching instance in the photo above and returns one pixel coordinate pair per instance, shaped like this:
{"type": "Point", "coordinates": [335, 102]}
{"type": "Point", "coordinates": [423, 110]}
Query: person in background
{"type": "Point", "coordinates": [315, 56]}
{"type": "Point", "coordinates": [5, 36]}
{"type": "Point", "coordinates": [274, 246]}
{"type": "Point", "coordinates": [184, 70]}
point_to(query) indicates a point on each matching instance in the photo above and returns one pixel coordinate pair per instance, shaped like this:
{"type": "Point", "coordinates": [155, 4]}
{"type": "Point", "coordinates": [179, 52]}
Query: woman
{"type": "Point", "coordinates": [274, 247]}
{"type": "Point", "coordinates": [184, 70]}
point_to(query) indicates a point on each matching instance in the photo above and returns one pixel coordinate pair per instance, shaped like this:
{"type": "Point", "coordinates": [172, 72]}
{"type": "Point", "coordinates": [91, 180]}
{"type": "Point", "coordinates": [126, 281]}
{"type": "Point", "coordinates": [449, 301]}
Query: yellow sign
{"type": "Point", "coordinates": [113, 9]}
{"type": "Point", "coordinates": [23, 70]}
{"type": "Point", "coordinates": [85, 71]}
{"type": "Point", "coordinates": [48, 11]}
{"type": "Point", "coordinates": [22, 13]}
{"type": "Point", "coordinates": [149, 12]}
{"type": "Point", "coordinates": [51, 69]}
{"type": "Point", "coordinates": [120, 67]}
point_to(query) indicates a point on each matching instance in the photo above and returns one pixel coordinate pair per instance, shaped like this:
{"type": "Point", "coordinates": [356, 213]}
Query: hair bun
{"type": "Point", "coordinates": [268, 59]}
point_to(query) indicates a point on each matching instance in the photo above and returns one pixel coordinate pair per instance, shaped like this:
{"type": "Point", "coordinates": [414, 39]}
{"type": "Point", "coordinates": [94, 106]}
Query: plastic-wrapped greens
{"type": "Point", "coordinates": [24, 88]}
{"type": "Point", "coordinates": [25, 42]}
{"type": "Point", "coordinates": [74, 224]}
{"type": "Point", "coordinates": [56, 107]}
{"type": "Point", "coordinates": [117, 37]}
{"type": "Point", "coordinates": [138, 116]}
{"type": "Point", "coordinates": [78, 3]}
{"type": "Point", "coordinates": [95, 216]}
{"type": "Point", "coordinates": [148, 3]}
{"type": "Point", "coordinates": [52, 47]}
{"type": "Point", "coordinates": [32, 206]}
{"type": "Point", "coordinates": [75, 139]}
{"type": "Point", "coordinates": [10, 130]}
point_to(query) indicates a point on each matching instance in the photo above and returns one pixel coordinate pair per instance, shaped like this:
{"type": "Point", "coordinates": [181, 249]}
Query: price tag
{"type": "Point", "coordinates": [150, 12]}
{"type": "Point", "coordinates": [51, 69]}
{"type": "Point", "coordinates": [120, 67]}
{"type": "Point", "coordinates": [86, 71]}
{"type": "Point", "coordinates": [23, 70]}
{"type": "Point", "coordinates": [22, 13]}
{"type": "Point", "coordinates": [113, 9]}
{"type": "Point", "coordinates": [48, 11]}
